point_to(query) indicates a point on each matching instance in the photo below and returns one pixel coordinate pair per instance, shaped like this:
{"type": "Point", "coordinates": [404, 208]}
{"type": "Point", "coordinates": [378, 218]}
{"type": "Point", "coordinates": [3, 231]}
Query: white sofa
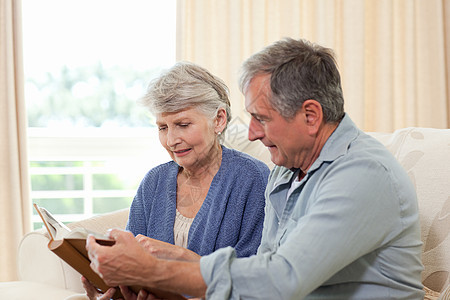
{"type": "Point", "coordinates": [423, 152]}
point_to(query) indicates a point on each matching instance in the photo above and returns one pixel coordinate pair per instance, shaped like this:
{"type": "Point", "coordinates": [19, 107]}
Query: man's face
{"type": "Point", "coordinates": [287, 140]}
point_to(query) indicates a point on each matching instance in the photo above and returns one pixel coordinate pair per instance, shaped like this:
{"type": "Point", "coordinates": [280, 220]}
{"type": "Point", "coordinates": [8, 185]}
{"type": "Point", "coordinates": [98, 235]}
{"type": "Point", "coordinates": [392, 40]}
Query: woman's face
{"type": "Point", "coordinates": [189, 137]}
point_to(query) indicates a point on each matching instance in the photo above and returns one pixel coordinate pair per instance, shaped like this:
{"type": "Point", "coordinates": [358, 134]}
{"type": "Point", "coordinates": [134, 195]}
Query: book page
{"type": "Point", "coordinates": [82, 233]}
{"type": "Point", "coordinates": [59, 231]}
{"type": "Point", "coordinates": [55, 228]}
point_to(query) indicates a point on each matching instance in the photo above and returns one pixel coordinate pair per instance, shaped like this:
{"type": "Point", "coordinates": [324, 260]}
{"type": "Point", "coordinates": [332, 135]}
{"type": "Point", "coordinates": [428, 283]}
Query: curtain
{"type": "Point", "coordinates": [15, 208]}
{"type": "Point", "coordinates": [393, 55]}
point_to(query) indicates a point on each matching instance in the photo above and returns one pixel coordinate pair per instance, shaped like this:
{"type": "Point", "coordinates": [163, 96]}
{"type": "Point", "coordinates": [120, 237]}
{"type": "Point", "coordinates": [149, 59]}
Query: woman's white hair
{"type": "Point", "coordinates": [187, 85]}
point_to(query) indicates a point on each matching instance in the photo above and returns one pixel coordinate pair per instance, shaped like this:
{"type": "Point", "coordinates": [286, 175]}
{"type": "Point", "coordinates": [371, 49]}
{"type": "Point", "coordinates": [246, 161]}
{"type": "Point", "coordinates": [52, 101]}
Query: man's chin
{"type": "Point", "coordinates": [279, 160]}
{"type": "Point", "coordinates": [276, 159]}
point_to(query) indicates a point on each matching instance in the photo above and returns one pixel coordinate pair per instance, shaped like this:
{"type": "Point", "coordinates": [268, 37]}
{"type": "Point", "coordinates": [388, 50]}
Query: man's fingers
{"type": "Point", "coordinates": [113, 233]}
{"type": "Point", "coordinates": [94, 267]}
{"type": "Point", "coordinates": [119, 235]}
{"type": "Point", "coordinates": [90, 242]}
{"type": "Point", "coordinates": [140, 238]}
{"type": "Point", "coordinates": [109, 261]}
{"type": "Point", "coordinates": [92, 248]}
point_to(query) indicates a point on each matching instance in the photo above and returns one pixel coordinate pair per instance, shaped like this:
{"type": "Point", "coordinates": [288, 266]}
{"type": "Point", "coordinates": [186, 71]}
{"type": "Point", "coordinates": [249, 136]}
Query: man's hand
{"type": "Point", "coordinates": [124, 263]}
{"type": "Point", "coordinates": [127, 263]}
{"type": "Point", "coordinates": [165, 250]}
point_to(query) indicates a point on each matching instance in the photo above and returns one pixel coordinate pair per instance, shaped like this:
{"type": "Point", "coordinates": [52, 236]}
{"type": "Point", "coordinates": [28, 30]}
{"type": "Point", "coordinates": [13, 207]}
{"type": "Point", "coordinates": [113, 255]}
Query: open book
{"type": "Point", "coordinates": [70, 246]}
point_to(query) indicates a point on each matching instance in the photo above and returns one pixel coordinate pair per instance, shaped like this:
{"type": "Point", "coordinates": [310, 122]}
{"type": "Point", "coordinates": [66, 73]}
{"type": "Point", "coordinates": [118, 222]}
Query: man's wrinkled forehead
{"type": "Point", "coordinates": [257, 94]}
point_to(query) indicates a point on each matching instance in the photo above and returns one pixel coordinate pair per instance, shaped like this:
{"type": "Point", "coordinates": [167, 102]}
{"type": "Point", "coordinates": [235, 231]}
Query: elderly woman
{"type": "Point", "coordinates": [208, 197]}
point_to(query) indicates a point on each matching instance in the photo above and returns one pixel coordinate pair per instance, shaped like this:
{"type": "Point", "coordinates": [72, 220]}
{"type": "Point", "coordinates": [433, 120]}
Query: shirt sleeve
{"type": "Point", "coordinates": [215, 269]}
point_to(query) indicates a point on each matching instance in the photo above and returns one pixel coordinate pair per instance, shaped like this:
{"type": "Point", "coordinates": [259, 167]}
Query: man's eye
{"type": "Point", "coordinates": [161, 128]}
{"type": "Point", "coordinates": [258, 120]}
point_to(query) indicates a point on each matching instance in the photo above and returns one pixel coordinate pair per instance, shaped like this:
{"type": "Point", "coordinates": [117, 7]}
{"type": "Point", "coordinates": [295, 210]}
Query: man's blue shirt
{"type": "Point", "coordinates": [349, 230]}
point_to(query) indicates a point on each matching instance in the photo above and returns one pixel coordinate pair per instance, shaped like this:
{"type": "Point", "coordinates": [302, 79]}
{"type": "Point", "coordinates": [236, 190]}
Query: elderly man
{"type": "Point", "coordinates": [341, 214]}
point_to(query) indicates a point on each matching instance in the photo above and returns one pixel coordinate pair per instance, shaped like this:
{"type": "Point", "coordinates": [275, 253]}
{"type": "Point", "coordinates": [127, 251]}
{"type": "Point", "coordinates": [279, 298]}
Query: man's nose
{"type": "Point", "coordinates": [255, 130]}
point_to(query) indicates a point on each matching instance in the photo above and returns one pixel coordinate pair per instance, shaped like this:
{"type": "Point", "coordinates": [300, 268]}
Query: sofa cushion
{"type": "Point", "coordinates": [445, 294]}
{"type": "Point", "coordinates": [425, 155]}
{"type": "Point", "coordinates": [26, 290]}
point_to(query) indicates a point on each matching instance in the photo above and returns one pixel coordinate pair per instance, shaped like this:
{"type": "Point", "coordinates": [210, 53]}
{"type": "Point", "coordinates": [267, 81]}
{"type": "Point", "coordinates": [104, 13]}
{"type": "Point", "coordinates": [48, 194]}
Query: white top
{"type": "Point", "coordinates": [181, 229]}
{"type": "Point", "coordinates": [295, 184]}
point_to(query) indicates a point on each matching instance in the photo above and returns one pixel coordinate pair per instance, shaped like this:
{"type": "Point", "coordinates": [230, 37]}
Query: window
{"type": "Point", "coordinates": [86, 65]}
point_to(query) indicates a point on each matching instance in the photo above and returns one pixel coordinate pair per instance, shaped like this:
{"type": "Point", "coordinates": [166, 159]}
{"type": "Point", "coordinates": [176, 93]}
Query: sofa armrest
{"type": "Point", "coordinates": [36, 263]}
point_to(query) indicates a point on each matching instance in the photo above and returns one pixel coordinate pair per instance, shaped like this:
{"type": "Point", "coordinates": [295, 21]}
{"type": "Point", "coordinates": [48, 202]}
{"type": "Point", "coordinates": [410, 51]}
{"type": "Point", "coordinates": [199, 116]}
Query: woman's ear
{"type": "Point", "coordinates": [314, 115]}
{"type": "Point", "coordinates": [221, 120]}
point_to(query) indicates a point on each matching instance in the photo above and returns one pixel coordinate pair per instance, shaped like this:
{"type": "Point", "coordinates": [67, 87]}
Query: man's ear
{"type": "Point", "coordinates": [221, 120]}
{"type": "Point", "coordinates": [314, 115]}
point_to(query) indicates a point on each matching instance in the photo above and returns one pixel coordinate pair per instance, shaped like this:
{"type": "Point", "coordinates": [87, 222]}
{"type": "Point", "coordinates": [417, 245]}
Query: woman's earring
{"type": "Point", "coordinates": [219, 133]}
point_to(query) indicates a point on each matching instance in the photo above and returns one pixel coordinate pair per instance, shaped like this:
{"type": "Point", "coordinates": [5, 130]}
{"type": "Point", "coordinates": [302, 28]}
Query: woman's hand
{"type": "Point", "coordinates": [93, 293]}
{"type": "Point", "coordinates": [127, 293]}
{"type": "Point", "coordinates": [142, 295]}
{"type": "Point", "coordinates": [165, 250]}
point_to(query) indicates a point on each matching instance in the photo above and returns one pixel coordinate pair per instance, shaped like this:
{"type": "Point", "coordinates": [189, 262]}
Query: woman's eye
{"type": "Point", "coordinates": [184, 125]}
{"type": "Point", "coordinates": [161, 128]}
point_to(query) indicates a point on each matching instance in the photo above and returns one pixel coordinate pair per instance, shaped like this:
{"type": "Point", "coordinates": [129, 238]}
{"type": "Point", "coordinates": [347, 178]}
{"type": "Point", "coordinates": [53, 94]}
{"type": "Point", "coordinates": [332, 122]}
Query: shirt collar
{"type": "Point", "coordinates": [339, 141]}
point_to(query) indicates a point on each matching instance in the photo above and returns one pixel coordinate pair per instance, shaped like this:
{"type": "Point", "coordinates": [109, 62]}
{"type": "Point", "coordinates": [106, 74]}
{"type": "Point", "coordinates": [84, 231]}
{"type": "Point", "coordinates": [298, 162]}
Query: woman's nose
{"type": "Point", "coordinates": [173, 138]}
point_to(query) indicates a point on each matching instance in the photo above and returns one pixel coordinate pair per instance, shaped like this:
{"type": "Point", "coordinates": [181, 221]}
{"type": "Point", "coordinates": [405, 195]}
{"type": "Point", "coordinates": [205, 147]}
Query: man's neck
{"type": "Point", "coordinates": [323, 134]}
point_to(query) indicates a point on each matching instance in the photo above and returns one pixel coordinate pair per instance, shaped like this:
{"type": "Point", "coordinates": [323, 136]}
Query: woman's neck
{"type": "Point", "coordinates": [206, 169]}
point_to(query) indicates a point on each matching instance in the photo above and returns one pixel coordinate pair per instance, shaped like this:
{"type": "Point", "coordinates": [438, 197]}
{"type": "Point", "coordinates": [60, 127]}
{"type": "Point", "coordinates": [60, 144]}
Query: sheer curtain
{"type": "Point", "coordinates": [14, 182]}
{"type": "Point", "coordinates": [393, 55]}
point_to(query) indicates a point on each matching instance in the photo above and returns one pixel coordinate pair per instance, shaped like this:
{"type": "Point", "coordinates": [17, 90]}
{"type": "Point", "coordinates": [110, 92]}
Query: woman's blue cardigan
{"type": "Point", "coordinates": [232, 213]}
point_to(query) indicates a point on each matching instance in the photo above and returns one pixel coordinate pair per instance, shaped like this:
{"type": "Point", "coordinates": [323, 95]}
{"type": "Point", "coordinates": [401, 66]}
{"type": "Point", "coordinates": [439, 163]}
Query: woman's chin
{"type": "Point", "coordinates": [184, 163]}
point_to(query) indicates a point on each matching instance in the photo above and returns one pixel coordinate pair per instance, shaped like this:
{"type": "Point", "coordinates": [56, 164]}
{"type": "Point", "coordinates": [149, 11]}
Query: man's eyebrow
{"type": "Point", "coordinates": [259, 116]}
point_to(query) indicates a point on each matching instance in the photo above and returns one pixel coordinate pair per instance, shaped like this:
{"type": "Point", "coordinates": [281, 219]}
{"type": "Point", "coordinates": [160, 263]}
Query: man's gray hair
{"type": "Point", "coordinates": [300, 70]}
